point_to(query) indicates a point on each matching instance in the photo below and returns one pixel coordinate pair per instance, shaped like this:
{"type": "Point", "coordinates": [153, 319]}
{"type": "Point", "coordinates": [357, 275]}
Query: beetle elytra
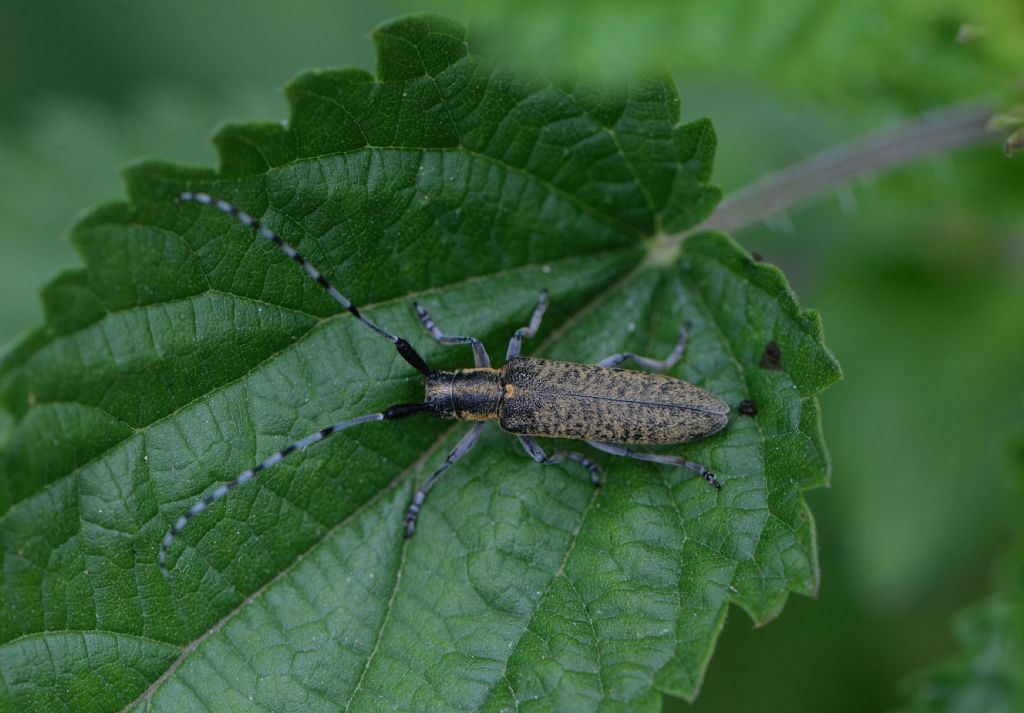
{"type": "Point", "coordinates": [607, 407]}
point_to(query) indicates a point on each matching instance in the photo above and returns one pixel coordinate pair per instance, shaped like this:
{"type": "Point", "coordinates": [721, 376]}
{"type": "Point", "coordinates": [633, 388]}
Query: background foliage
{"type": "Point", "coordinates": [987, 671]}
{"type": "Point", "coordinates": [918, 274]}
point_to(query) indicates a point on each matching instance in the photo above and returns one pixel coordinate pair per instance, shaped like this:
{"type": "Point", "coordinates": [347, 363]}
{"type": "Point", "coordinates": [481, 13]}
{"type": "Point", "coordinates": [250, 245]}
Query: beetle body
{"type": "Point", "coordinates": [597, 403]}
{"type": "Point", "coordinates": [557, 399]}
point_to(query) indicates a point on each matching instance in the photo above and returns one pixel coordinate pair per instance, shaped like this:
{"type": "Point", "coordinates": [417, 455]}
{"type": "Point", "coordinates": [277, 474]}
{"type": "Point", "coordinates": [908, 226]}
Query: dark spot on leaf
{"type": "Point", "coordinates": [758, 257]}
{"type": "Point", "coordinates": [747, 407]}
{"type": "Point", "coordinates": [772, 357]}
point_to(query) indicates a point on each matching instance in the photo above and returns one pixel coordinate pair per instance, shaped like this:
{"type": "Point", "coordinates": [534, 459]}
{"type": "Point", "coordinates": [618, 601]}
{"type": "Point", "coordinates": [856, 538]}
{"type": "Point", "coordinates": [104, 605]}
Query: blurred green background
{"type": "Point", "coordinates": [918, 273]}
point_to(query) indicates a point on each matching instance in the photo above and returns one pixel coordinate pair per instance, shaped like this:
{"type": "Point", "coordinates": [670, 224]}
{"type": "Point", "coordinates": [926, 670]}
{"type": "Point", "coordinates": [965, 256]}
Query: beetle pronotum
{"type": "Point", "coordinates": [600, 404]}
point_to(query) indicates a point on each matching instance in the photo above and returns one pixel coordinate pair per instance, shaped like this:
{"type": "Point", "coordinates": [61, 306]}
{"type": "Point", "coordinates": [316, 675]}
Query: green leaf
{"type": "Point", "coordinates": [188, 349]}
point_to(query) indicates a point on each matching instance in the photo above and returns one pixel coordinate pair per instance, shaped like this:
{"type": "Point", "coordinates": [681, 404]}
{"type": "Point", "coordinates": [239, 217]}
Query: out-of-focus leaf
{"type": "Point", "coordinates": [66, 156]}
{"type": "Point", "coordinates": [988, 674]}
{"type": "Point", "coordinates": [907, 53]}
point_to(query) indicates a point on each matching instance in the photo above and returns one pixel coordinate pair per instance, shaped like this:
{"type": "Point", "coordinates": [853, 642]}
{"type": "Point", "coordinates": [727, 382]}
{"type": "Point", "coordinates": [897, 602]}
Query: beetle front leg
{"type": "Point", "coordinates": [620, 450]}
{"type": "Point", "coordinates": [538, 454]}
{"type": "Point", "coordinates": [515, 345]}
{"type": "Point", "coordinates": [461, 448]}
{"type": "Point", "coordinates": [647, 362]}
{"type": "Point", "coordinates": [480, 358]}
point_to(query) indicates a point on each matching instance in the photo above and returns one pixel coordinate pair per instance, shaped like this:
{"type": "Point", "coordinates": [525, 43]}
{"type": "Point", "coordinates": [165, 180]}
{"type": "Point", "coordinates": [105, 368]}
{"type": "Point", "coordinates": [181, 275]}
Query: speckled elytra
{"type": "Point", "coordinates": [597, 403]}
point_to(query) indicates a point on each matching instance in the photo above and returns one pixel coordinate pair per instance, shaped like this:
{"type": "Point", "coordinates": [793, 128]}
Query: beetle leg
{"type": "Point", "coordinates": [652, 364]}
{"type": "Point", "coordinates": [461, 449]}
{"type": "Point", "coordinates": [515, 345]}
{"type": "Point", "coordinates": [538, 454]}
{"type": "Point", "coordinates": [619, 450]}
{"type": "Point", "coordinates": [480, 358]}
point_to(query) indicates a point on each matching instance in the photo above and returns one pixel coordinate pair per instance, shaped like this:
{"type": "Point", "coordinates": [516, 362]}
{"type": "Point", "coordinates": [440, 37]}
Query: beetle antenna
{"type": "Point", "coordinates": [404, 348]}
{"type": "Point", "coordinates": [220, 491]}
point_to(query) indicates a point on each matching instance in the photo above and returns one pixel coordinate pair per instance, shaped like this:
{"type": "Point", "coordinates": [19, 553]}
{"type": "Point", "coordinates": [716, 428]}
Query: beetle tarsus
{"type": "Point", "coordinates": [649, 363]}
{"type": "Point", "coordinates": [410, 521]}
{"type": "Point", "coordinates": [617, 449]}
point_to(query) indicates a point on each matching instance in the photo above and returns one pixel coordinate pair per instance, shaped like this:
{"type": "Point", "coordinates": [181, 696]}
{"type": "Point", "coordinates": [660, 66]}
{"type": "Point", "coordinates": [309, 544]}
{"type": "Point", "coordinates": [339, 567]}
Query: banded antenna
{"type": "Point", "coordinates": [404, 349]}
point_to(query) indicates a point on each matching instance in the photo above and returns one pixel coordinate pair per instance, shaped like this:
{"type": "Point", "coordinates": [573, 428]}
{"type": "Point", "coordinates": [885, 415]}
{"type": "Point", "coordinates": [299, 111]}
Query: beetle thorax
{"type": "Point", "coordinates": [469, 394]}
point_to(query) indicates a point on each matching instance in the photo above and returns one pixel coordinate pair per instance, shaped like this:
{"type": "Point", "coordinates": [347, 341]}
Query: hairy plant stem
{"type": "Point", "coordinates": [932, 133]}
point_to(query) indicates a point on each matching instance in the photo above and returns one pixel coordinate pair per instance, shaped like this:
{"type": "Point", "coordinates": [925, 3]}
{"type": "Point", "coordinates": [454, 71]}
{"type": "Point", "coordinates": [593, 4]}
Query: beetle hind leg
{"type": "Point", "coordinates": [647, 362]}
{"type": "Point", "coordinates": [620, 450]}
{"type": "Point", "coordinates": [537, 453]}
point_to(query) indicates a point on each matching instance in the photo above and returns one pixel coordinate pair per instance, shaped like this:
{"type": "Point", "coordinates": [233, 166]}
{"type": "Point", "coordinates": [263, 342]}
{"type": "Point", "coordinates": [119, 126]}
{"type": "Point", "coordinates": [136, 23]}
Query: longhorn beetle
{"type": "Point", "coordinates": [599, 404]}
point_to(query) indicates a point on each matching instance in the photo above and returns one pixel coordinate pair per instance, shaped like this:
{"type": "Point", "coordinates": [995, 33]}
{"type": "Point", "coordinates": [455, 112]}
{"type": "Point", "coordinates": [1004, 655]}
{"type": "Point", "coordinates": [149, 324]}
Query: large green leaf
{"type": "Point", "coordinates": [188, 349]}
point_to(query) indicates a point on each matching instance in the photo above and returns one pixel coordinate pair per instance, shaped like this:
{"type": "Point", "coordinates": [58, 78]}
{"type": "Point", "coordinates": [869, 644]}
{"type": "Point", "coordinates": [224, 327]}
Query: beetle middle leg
{"type": "Point", "coordinates": [538, 454]}
{"type": "Point", "coordinates": [620, 450]}
{"type": "Point", "coordinates": [480, 358]}
{"type": "Point", "coordinates": [461, 448]}
{"type": "Point", "coordinates": [647, 362]}
{"type": "Point", "coordinates": [515, 345]}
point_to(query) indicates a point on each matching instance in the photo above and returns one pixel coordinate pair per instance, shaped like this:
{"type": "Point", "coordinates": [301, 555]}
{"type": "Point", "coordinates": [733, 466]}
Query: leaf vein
{"type": "Point", "coordinates": [379, 495]}
{"type": "Point", "coordinates": [383, 624]}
